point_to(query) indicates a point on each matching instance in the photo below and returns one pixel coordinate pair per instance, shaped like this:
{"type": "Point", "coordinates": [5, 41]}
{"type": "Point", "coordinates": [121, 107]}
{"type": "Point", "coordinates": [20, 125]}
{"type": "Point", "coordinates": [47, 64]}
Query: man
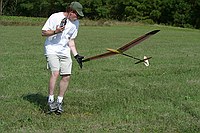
{"type": "Point", "coordinates": [61, 29]}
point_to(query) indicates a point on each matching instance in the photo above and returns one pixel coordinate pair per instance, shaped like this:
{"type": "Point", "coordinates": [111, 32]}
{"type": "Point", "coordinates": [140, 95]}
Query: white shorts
{"type": "Point", "coordinates": [59, 63]}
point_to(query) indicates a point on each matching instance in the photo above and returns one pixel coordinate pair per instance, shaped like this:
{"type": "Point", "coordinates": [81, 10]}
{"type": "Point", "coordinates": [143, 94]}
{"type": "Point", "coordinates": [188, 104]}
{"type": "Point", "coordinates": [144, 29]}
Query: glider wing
{"type": "Point", "coordinates": [99, 56]}
{"type": "Point", "coordinates": [137, 41]}
{"type": "Point", "coordinates": [124, 47]}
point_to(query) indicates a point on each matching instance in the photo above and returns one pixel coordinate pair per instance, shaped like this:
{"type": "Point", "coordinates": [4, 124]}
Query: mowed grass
{"type": "Point", "coordinates": [107, 95]}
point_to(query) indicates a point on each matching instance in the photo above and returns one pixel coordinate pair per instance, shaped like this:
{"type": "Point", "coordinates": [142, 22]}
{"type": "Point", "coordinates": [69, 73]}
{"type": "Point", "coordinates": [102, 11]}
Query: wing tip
{"type": "Point", "coordinates": [153, 32]}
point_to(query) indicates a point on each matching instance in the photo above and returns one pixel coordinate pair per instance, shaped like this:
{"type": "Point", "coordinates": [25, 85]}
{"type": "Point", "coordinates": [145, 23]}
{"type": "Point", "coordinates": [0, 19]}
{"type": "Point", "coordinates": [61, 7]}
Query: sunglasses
{"type": "Point", "coordinates": [75, 13]}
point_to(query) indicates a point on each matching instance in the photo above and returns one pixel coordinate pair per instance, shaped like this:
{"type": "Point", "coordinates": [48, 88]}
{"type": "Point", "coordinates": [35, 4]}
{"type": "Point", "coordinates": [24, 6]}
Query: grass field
{"type": "Point", "coordinates": [107, 95]}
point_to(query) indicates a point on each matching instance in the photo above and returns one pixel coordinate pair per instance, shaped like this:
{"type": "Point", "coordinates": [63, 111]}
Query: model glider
{"type": "Point", "coordinates": [125, 47]}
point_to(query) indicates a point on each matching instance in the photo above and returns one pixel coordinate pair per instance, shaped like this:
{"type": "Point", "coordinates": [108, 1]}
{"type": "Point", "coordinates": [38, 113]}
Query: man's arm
{"type": "Point", "coordinates": [48, 32]}
{"type": "Point", "coordinates": [52, 32]}
{"type": "Point", "coordinates": [75, 53]}
{"type": "Point", "coordinates": [72, 46]}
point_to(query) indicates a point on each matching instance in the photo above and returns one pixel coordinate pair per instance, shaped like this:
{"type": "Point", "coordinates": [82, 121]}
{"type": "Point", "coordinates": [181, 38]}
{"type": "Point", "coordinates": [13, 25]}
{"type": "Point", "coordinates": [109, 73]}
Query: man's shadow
{"type": "Point", "coordinates": [37, 99]}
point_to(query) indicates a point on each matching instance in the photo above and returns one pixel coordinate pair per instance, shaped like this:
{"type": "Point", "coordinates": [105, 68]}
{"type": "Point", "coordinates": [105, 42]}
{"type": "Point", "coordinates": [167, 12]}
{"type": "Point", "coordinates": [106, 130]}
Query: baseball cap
{"type": "Point", "coordinates": [77, 7]}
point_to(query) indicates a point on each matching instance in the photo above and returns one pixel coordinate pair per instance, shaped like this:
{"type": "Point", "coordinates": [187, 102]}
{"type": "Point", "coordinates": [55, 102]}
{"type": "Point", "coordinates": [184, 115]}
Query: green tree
{"type": "Point", "coordinates": [184, 13]}
{"type": "Point", "coordinates": [195, 13]}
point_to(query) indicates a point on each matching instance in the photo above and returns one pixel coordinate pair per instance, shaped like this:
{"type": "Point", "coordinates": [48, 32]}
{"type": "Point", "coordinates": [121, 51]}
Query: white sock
{"type": "Point", "coordinates": [51, 98]}
{"type": "Point", "coordinates": [60, 99]}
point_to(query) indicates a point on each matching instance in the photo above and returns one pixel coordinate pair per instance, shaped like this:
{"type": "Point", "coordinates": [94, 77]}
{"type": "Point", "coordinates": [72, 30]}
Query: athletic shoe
{"type": "Point", "coordinates": [59, 108]}
{"type": "Point", "coordinates": [53, 106]}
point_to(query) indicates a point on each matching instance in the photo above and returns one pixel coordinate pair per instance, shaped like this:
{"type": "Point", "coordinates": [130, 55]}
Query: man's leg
{"type": "Point", "coordinates": [54, 65]}
{"type": "Point", "coordinates": [64, 82]}
{"type": "Point", "coordinates": [52, 82]}
{"type": "Point", "coordinates": [65, 71]}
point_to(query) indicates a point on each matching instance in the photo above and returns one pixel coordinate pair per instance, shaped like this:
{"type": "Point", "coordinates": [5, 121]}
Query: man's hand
{"type": "Point", "coordinates": [79, 60]}
{"type": "Point", "coordinates": [59, 29]}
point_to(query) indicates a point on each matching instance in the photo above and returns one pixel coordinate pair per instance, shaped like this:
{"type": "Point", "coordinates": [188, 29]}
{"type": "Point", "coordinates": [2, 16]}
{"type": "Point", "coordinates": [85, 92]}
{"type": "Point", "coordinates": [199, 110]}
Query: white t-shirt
{"type": "Point", "coordinates": [58, 43]}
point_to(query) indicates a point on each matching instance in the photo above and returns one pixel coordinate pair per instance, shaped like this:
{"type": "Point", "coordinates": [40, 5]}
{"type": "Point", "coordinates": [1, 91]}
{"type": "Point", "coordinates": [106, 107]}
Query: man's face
{"type": "Point", "coordinates": [73, 15]}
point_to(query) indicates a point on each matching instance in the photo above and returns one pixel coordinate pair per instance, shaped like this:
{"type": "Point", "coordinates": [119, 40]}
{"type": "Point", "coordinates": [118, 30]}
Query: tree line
{"type": "Point", "coordinates": [182, 13]}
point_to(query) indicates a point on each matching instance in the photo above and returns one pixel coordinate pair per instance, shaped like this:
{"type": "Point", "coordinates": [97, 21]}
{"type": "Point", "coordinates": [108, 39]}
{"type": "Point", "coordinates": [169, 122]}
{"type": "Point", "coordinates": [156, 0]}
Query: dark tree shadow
{"type": "Point", "coordinates": [38, 100]}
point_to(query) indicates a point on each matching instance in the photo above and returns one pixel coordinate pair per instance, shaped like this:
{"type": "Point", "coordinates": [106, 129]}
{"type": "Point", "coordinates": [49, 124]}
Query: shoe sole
{"type": "Point", "coordinates": [59, 112]}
